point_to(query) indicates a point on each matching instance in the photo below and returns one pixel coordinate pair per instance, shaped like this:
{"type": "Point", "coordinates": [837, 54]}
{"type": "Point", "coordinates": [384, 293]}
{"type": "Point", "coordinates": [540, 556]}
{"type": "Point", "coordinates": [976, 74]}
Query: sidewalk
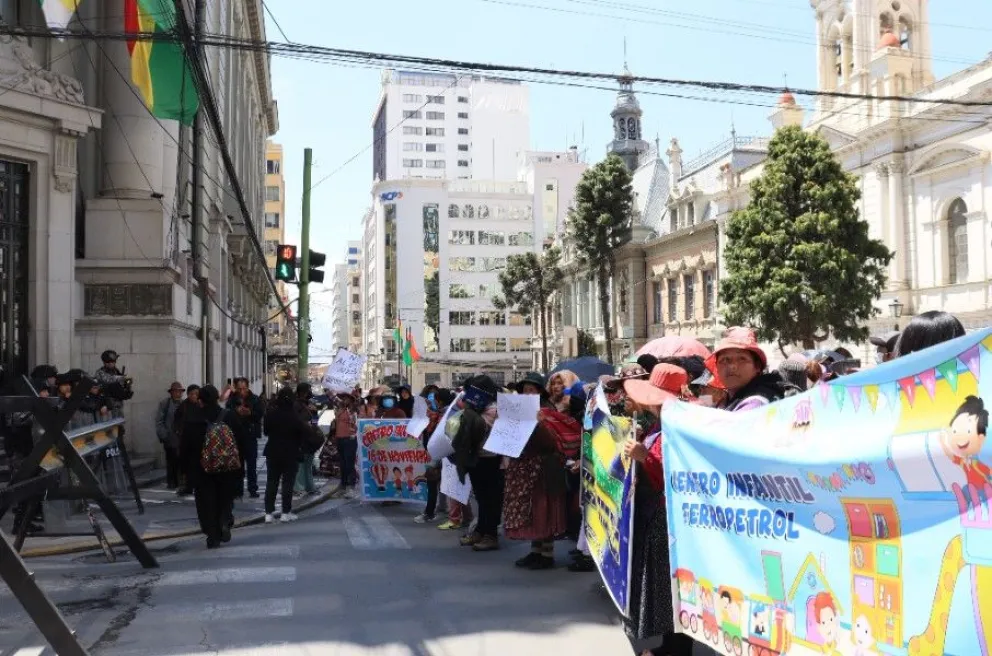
{"type": "Point", "coordinates": [166, 516]}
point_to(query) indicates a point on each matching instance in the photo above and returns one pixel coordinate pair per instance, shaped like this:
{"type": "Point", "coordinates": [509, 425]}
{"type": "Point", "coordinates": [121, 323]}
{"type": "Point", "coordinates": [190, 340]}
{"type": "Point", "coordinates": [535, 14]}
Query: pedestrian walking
{"type": "Point", "coordinates": [165, 416]}
{"type": "Point", "coordinates": [287, 431]}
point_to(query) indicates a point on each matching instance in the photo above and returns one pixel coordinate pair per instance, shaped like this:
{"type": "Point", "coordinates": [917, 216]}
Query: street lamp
{"type": "Point", "coordinates": [895, 311]}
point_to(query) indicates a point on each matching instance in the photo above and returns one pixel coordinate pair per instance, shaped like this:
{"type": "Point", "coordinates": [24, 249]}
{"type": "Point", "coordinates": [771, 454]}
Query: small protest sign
{"type": "Point", "coordinates": [344, 373]}
{"type": "Point", "coordinates": [516, 418]}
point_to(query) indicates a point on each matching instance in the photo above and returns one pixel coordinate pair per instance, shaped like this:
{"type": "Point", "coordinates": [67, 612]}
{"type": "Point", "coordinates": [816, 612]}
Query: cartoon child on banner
{"type": "Point", "coordinates": [825, 611]}
{"type": "Point", "coordinates": [964, 441]}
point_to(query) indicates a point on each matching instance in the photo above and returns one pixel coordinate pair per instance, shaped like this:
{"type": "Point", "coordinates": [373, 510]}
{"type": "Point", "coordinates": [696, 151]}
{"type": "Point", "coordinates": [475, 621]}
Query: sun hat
{"type": "Point", "coordinates": [708, 379]}
{"type": "Point", "coordinates": [886, 340]}
{"type": "Point", "coordinates": [794, 373]}
{"type": "Point", "coordinates": [531, 378]}
{"type": "Point", "coordinates": [665, 384]}
{"type": "Point", "coordinates": [741, 339]}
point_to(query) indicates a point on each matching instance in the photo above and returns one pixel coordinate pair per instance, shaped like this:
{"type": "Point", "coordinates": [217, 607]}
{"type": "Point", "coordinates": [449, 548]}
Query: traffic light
{"type": "Point", "coordinates": [286, 263]}
{"type": "Point", "coordinates": [316, 261]}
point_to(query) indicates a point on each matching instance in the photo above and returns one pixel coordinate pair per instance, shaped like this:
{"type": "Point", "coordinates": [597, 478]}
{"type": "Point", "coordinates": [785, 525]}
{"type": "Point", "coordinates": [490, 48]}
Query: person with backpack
{"type": "Point", "coordinates": [287, 432]}
{"type": "Point", "coordinates": [216, 477]}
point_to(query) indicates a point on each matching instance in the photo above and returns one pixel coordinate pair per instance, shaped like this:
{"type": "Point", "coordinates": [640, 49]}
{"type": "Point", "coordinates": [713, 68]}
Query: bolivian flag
{"type": "Point", "coordinates": [159, 69]}
{"type": "Point", "coordinates": [58, 13]}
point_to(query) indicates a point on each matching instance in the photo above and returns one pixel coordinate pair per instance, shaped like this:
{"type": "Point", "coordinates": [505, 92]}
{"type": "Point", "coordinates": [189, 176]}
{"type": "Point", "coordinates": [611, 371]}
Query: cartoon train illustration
{"type": "Point", "coordinates": [751, 624]}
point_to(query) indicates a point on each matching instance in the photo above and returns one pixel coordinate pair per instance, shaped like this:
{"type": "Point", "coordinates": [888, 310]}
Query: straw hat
{"type": "Point", "coordinates": [666, 383]}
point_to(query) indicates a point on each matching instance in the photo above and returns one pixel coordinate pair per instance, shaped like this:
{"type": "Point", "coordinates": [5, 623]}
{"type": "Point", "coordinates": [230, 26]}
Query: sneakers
{"type": "Point", "coordinates": [350, 493]}
{"type": "Point", "coordinates": [269, 518]}
{"type": "Point", "coordinates": [449, 526]}
{"type": "Point", "coordinates": [423, 518]}
{"type": "Point", "coordinates": [288, 517]}
{"type": "Point", "coordinates": [489, 544]}
{"type": "Point", "coordinates": [470, 539]}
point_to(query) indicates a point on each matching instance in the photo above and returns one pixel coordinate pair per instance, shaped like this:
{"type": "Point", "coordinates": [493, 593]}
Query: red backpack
{"type": "Point", "coordinates": [220, 450]}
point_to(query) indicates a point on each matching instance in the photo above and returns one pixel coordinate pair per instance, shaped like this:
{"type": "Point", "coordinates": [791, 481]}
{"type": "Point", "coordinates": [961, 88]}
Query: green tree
{"type": "Point", "coordinates": [528, 284]}
{"type": "Point", "coordinates": [586, 344]}
{"type": "Point", "coordinates": [800, 263]}
{"type": "Point", "coordinates": [599, 224]}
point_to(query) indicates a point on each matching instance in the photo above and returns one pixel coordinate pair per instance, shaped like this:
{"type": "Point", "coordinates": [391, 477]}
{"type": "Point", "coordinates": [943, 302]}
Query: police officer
{"type": "Point", "coordinates": [115, 385]}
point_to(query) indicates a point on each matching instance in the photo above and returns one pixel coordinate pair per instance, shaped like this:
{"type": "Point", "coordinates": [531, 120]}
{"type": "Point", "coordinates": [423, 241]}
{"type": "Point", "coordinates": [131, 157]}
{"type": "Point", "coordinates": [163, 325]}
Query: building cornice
{"type": "Point", "coordinates": [256, 25]}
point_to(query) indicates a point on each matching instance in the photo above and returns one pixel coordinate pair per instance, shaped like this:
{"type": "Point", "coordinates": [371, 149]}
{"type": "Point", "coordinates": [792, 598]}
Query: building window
{"type": "Point", "coordinates": [468, 211]}
{"type": "Point", "coordinates": [517, 319]}
{"type": "Point", "coordinates": [463, 163]}
{"type": "Point", "coordinates": [463, 131]}
{"type": "Point", "coordinates": [689, 282]}
{"type": "Point", "coordinates": [412, 98]}
{"type": "Point", "coordinates": [690, 214]}
{"type": "Point", "coordinates": [354, 298]}
{"type": "Point", "coordinates": [435, 148]}
{"type": "Point", "coordinates": [435, 132]}
{"type": "Point", "coordinates": [492, 317]}
{"type": "Point", "coordinates": [270, 246]}
{"type": "Point", "coordinates": [463, 148]}
{"type": "Point", "coordinates": [462, 237]}
{"type": "Point", "coordinates": [411, 113]}
{"type": "Point", "coordinates": [272, 166]}
{"type": "Point", "coordinates": [435, 116]}
{"type": "Point", "coordinates": [461, 345]}
{"type": "Point", "coordinates": [413, 163]}
{"type": "Point", "coordinates": [453, 212]}
{"type": "Point", "coordinates": [461, 318]}
{"type": "Point", "coordinates": [957, 242]}
{"type": "Point", "coordinates": [491, 238]}
{"type": "Point", "coordinates": [435, 100]}
{"type": "Point", "coordinates": [492, 264]}
{"type": "Point", "coordinates": [519, 344]}
{"type": "Point", "coordinates": [486, 291]}
{"type": "Point", "coordinates": [522, 239]}
{"type": "Point", "coordinates": [462, 264]}
{"type": "Point", "coordinates": [271, 193]}
{"type": "Point", "coordinates": [412, 146]}
{"type": "Point", "coordinates": [673, 301]}
{"type": "Point", "coordinates": [463, 99]}
{"type": "Point", "coordinates": [435, 163]}
{"type": "Point", "coordinates": [462, 114]}
{"type": "Point", "coordinates": [432, 223]}
{"type": "Point", "coordinates": [673, 220]}
{"type": "Point", "coordinates": [413, 130]}
{"type": "Point", "coordinates": [709, 293]}
{"type": "Point", "coordinates": [492, 344]}
{"type": "Point", "coordinates": [272, 219]}
{"type": "Point", "coordinates": [656, 295]}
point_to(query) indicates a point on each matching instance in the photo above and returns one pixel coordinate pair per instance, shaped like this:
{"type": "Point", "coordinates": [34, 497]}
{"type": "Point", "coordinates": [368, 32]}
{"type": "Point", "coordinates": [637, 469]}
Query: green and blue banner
{"type": "Point", "coordinates": [854, 519]}
{"type": "Point", "coordinates": [392, 464]}
{"type": "Point", "coordinates": [607, 497]}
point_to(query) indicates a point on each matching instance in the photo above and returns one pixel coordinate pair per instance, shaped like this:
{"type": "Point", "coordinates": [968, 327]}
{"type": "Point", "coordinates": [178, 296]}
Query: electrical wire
{"type": "Point", "coordinates": [275, 21]}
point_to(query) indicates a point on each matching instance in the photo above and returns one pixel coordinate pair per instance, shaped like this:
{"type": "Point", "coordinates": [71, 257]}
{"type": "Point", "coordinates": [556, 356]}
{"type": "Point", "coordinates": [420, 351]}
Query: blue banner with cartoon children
{"type": "Point", "coordinates": [854, 519]}
{"type": "Point", "coordinates": [391, 463]}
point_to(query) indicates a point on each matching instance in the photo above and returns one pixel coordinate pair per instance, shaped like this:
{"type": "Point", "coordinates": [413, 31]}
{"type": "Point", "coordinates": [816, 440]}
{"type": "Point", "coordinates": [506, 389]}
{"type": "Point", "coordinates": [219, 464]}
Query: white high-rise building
{"type": "Point", "coordinates": [347, 291]}
{"type": "Point", "coordinates": [449, 127]}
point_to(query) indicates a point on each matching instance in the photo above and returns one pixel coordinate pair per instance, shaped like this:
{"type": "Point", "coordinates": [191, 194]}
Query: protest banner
{"type": "Point", "coordinates": [344, 372]}
{"type": "Point", "coordinates": [607, 498]}
{"type": "Point", "coordinates": [850, 520]}
{"type": "Point", "coordinates": [439, 445]}
{"type": "Point", "coordinates": [516, 419]}
{"type": "Point", "coordinates": [419, 420]}
{"type": "Point", "coordinates": [391, 464]}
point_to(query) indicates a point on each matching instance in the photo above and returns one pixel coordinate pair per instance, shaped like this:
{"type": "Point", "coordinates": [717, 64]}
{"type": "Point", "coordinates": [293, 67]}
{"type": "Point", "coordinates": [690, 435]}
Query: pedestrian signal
{"type": "Point", "coordinates": [286, 263]}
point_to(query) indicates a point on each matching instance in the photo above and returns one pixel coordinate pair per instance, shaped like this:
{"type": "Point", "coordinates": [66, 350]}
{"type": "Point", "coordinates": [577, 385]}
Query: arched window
{"type": "Point", "coordinates": [690, 218]}
{"type": "Point", "coordinates": [453, 211]}
{"type": "Point", "coordinates": [905, 34]}
{"type": "Point", "coordinates": [483, 211]}
{"type": "Point", "coordinates": [839, 61]}
{"type": "Point", "coordinates": [468, 212]}
{"type": "Point", "coordinates": [957, 242]}
{"type": "Point", "coordinates": [621, 129]}
{"type": "Point", "coordinates": [632, 129]}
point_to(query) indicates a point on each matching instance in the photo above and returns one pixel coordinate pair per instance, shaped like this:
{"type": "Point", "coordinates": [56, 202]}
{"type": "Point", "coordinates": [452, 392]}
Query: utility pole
{"type": "Point", "coordinates": [199, 225]}
{"type": "Point", "coordinates": [303, 334]}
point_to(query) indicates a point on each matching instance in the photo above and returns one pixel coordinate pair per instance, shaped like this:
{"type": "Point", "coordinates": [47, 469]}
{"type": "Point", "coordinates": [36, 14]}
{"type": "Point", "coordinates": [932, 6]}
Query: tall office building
{"type": "Point", "coordinates": [275, 234]}
{"type": "Point", "coordinates": [347, 291]}
{"type": "Point", "coordinates": [449, 127]}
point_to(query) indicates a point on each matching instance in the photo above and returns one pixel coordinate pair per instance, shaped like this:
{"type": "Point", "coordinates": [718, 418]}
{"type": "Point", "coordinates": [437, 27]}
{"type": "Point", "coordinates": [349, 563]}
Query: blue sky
{"type": "Point", "coordinates": [328, 107]}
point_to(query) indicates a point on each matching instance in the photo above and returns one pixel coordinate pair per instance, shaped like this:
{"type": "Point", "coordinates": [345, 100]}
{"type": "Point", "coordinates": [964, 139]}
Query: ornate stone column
{"type": "Point", "coordinates": [897, 226]}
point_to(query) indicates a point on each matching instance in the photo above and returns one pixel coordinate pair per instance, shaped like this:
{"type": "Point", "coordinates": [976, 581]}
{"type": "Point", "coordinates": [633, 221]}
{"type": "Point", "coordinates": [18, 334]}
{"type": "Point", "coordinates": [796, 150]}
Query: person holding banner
{"type": "Point", "coordinates": [741, 365]}
{"type": "Point", "coordinates": [650, 613]}
{"type": "Point", "coordinates": [482, 467]}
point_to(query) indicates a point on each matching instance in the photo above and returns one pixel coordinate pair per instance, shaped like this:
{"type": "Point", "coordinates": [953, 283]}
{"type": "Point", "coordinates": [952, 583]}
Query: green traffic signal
{"type": "Point", "coordinates": [284, 272]}
{"type": "Point", "coordinates": [286, 263]}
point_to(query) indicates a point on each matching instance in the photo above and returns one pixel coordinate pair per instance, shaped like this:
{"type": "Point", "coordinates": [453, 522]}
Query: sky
{"type": "Point", "coordinates": [328, 107]}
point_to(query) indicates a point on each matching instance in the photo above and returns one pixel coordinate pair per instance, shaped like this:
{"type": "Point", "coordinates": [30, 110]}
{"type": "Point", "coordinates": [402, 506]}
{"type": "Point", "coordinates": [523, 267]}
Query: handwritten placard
{"type": "Point", "coordinates": [439, 446]}
{"type": "Point", "coordinates": [419, 420]}
{"type": "Point", "coordinates": [344, 373]}
{"type": "Point", "coordinates": [516, 418]}
{"type": "Point", "coordinates": [451, 486]}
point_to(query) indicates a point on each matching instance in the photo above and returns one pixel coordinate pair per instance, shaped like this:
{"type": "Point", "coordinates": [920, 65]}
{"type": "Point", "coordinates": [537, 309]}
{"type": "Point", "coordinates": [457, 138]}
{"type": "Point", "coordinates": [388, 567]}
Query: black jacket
{"type": "Point", "coordinates": [286, 431]}
{"type": "Point", "coordinates": [473, 431]}
{"type": "Point", "coordinates": [194, 432]}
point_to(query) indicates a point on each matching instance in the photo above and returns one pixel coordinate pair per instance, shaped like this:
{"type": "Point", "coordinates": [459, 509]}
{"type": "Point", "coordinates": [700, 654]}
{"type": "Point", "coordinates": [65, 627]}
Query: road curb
{"type": "Point", "coordinates": [90, 545]}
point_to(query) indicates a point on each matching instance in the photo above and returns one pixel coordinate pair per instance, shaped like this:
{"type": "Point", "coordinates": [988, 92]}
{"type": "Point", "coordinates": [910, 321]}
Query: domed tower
{"type": "Point", "coordinates": [627, 141]}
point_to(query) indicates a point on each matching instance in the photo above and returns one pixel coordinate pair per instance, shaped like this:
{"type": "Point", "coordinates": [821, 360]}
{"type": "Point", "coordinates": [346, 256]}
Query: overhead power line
{"type": "Point", "coordinates": [337, 54]}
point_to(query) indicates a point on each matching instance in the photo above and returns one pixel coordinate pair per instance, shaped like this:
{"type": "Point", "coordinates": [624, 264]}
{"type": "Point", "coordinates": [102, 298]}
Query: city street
{"type": "Point", "coordinates": [347, 578]}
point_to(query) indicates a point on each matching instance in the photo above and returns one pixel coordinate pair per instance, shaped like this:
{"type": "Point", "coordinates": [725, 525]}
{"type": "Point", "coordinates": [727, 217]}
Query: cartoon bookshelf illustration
{"type": "Point", "coordinates": [875, 546]}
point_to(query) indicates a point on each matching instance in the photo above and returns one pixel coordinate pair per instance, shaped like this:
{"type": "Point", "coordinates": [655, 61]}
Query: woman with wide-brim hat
{"type": "Point", "coordinates": [650, 611]}
{"type": "Point", "coordinates": [536, 488]}
{"type": "Point", "coordinates": [741, 365]}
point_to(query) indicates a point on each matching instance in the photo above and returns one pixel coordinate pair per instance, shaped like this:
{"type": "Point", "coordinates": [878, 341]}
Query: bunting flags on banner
{"type": "Point", "coordinates": [871, 393]}
{"type": "Point", "coordinates": [855, 393]}
{"type": "Point", "coordinates": [908, 387]}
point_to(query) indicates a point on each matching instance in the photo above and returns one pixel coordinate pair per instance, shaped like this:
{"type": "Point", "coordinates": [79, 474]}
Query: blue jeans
{"type": "Point", "coordinates": [347, 453]}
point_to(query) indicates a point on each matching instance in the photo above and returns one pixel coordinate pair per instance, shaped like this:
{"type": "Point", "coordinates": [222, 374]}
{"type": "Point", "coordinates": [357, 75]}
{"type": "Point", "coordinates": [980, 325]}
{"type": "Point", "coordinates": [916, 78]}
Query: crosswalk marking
{"type": "Point", "coordinates": [371, 531]}
{"type": "Point", "coordinates": [225, 611]}
{"type": "Point", "coordinates": [172, 579]}
{"type": "Point", "coordinates": [29, 651]}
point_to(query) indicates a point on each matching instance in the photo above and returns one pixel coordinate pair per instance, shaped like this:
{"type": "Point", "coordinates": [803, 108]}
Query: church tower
{"type": "Point", "coordinates": [627, 141]}
{"type": "Point", "coordinates": [850, 32]}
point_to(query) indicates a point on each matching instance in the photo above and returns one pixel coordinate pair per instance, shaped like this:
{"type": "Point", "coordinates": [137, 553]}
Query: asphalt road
{"type": "Point", "coordinates": [347, 578]}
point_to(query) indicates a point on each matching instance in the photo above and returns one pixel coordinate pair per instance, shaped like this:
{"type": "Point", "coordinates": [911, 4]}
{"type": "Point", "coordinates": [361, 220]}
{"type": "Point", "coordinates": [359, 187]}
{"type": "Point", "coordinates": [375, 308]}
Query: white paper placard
{"type": "Point", "coordinates": [451, 486]}
{"type": "Point", "coordinates": [439, 446]}
{"type": "Point", "coordinates": [516, 418]}
{"type": "Point", "coordinates": [419, 420]}
{"type": "Point", "coordinates": [344, 373]}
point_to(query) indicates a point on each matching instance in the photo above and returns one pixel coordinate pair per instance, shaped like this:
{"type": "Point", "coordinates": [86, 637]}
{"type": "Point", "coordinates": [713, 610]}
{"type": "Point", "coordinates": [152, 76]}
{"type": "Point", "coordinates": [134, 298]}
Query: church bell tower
{"type": "Point", "coordinates": [627, 141]}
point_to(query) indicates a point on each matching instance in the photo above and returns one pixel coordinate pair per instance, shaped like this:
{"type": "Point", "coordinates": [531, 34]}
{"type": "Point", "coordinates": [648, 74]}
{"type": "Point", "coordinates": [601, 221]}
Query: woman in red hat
{"type": "Point", "coordinates": [741, 365]}
{"type": "Point", "coordinates": [650, 612]}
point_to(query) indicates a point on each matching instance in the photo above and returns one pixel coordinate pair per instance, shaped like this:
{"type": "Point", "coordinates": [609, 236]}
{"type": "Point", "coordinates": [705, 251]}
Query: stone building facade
{"type": "Point", "coordinates": [95, 225]}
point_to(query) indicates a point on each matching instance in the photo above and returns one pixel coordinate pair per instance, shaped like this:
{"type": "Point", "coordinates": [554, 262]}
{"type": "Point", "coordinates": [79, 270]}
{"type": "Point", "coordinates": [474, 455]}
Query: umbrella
{"type": "Point", "coordinates": [675, 346]}
{"type": "Point", "coordinates": [587, 368]}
